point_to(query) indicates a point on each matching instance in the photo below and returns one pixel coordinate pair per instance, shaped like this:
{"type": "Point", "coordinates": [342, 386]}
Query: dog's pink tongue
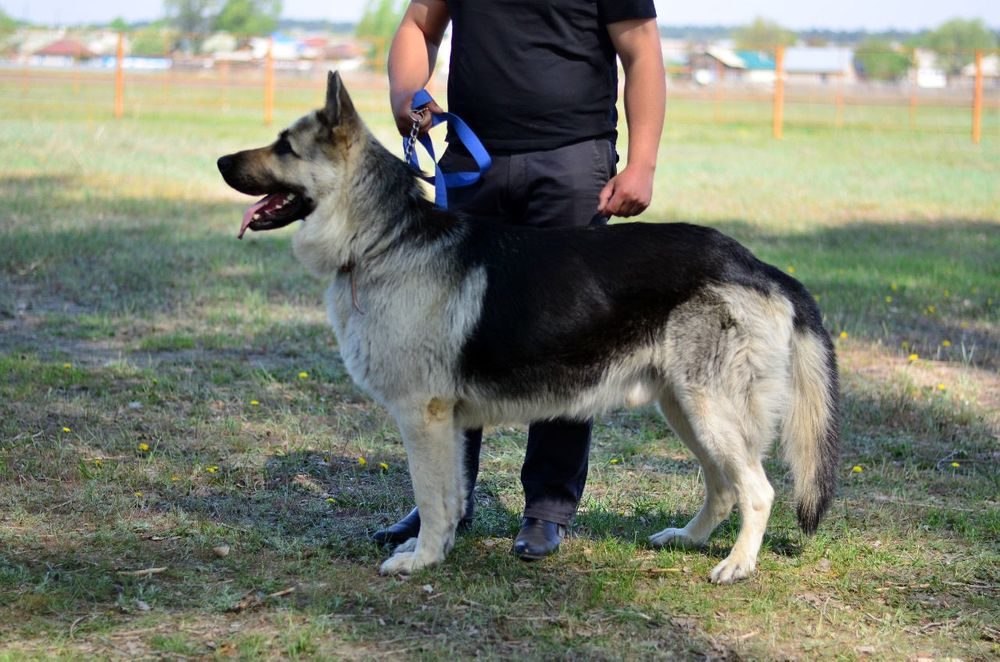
{"type": "Point", "coordinates": [248, 214]}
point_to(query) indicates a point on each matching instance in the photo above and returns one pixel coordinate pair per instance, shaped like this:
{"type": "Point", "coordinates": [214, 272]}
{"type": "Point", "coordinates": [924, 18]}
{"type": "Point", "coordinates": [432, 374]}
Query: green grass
{"type": "Point", "coordinates": [131, 317]}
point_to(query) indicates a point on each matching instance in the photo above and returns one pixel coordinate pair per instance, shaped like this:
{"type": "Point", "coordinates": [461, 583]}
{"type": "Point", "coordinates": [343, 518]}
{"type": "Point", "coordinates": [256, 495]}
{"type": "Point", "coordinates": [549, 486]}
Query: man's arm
{"type": "Point", "coordinates": [638, 46]}
{"type": "Point", "coordinates": [412, 55]}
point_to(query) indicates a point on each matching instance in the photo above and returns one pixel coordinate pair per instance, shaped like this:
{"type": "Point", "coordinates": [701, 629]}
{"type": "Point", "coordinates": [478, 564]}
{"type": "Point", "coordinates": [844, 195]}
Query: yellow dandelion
{"type": "Point", "coordinates": [383, 466]}
{"type": "Point", "coordinates": [913, 357]}
{"type": "Point", "coordinates": [963, 325]}
{"type": "Point", "coordinates": [254, 403]}
{"type": "Point", "coordinates": [947, 294]}
{"type": "Point", "coordinates": [331, 500]}
{"type": "Point", "coordinates": [946, 343]}
{"type": "Point", "coordinates": [817, 297]}
{"type": "Point", "coordinates": [955, 465]}
{"type": "Point", "coordinates": [67, 365]}
{"type": "Point", "coordinates": [144, 447]}
{"type": "Point", "coordinates": [362, 461]}
{"type": "Point", "coordinates": [791, 269]}
{"type": "Point", "coordinates": [614, 460]}
{"type": "Point", "coordinates": [888, 299]}
{"type": "Point", "coordinates": [175, 478]}
{"type": "Point", "coordinates": [303, 375]}
{"type": "Point", "coordinates": [138, 494]}
{"type": "Point", "coordinates": [857, 469]}
{"type": "Point", "coordinates": [66, 429]}
{"type": "Point", "coordinates": [930, 310]}
{"type": "Point", "coordinates": [942, 387]}
{"type": "Point", "coordinates": [843, 335]}
{"type": "Point", "coordinates": [98, 462]}
{"type": "Point", "coordinates": [212, 469]}
{"type": "Point", "coordinates": [893, 287]}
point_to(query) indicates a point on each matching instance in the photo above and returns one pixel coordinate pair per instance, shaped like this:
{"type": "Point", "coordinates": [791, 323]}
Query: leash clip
{"type": "Point", "coordinates": [459, 130]}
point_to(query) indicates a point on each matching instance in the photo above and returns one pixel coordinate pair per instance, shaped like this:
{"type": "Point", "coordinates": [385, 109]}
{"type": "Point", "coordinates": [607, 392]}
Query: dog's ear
{"type": "Point", "coordinates": [339, 106]}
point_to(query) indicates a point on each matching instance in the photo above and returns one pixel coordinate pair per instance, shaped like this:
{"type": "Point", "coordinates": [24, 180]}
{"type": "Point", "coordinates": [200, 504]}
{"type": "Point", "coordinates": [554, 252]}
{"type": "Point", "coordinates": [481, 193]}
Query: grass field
{"type": "Point", "coordinates": [187, 471]}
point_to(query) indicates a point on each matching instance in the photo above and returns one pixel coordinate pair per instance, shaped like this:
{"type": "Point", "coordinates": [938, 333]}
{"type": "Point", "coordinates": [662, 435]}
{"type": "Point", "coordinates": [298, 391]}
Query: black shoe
{"type": "Point", "coordinates": [537, 539]}
{"type": "Point", "coordinates": [409, 527]}
{"type": "Point", "coordinates": [401, 531]}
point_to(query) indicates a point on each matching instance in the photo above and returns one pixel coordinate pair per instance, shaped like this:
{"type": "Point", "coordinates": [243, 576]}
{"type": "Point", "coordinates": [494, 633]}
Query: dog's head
{"type": "Point", "coordinates": [300, 168]}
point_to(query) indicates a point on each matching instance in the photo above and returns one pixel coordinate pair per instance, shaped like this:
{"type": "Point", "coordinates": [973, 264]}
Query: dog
{"type": "Point", "coordinates": [454, 323]}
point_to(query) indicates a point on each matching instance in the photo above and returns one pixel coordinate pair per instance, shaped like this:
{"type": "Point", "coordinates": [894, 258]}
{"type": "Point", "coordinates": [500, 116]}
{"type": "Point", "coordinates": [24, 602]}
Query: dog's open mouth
{"type": "Point", "coordinates": [275, 211]}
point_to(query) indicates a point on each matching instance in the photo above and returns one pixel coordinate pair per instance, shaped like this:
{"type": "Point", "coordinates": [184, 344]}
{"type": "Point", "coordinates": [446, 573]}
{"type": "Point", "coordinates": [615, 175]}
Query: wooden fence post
{"type": "Point", "coordinates": [779, 91]}
{"type": "Point", "coordinates": [269, 83]}
{"type": "Point", "coordinates": [839, 121]}
{"type": "Point", "coordinates": [977, 100]}
{"type": "Point", "coordinates": [718, 92]}
{"type": "Point", "coordinates": [120, 77]}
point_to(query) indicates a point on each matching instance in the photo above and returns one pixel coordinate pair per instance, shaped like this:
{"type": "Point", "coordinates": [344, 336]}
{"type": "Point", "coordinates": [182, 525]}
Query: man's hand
{"type": "Point", "coordinates": [628, 193]}
{"type": "Point", "coordinates": [404, 119]}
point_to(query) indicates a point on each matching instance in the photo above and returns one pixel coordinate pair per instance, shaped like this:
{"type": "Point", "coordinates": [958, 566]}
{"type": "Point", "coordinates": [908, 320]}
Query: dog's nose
{"type": "Point", "coordinates": [225, 163]}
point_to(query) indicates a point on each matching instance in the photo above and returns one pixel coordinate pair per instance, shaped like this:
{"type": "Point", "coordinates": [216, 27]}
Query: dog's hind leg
{"type": "Point", "coordinates": [729, 454]}
{"type": "Point", "coordinates": [755, 496]}
{"type": "Point", "coordinates": [720, 495]}
{"type": "Point", "coordinates": [433, 450]}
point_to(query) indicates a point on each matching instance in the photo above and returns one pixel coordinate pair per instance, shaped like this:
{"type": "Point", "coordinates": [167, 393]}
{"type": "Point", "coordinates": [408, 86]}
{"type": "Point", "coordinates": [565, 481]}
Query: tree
{"type": "Point", "coordinates": [762, 35]}
{"type": "Point", "coordinates": [956, 41]}
{"type": "Point", "coordinates": [119, 25]}
{"type": "Point", "coordinates": [876, 59]}
{"type": "Point", "coordinates": [249, 17]}
{"type": "Point", "coordinates": [378, 23]}
{"type": "Point", "coordinates": [7, 28]}
{"type": "Point", "coordinates": [190, 17]}
{"type": "Point", "coordinates": [149, 42]}
{"type": "Point", "coordinates": [7, 24]}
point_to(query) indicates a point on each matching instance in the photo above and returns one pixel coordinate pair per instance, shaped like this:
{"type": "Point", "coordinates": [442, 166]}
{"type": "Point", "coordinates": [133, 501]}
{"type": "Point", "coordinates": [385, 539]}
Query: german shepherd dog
{"type": "Point", "coordinates": [455, 323]}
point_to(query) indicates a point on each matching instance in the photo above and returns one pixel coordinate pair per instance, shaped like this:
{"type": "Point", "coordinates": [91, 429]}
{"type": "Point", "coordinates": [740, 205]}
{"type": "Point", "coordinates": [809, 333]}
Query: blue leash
{"type": "Point", "coordinates": [443, 181]}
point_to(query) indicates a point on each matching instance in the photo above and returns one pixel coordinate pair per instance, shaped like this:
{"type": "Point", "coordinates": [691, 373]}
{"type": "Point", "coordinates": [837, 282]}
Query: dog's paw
{"type": "Point", "coordinates": [400, 563]}
{"type": "Point", "coordinates": [673, 538]}
{"type": "Point", "coordinates": [407, 546]}
{"type": "Point", "coordinates": [406, 562]}
{"type": "Point", "coordinates": [733, 568]}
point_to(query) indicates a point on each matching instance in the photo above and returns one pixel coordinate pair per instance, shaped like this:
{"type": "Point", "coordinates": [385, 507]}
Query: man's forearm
{"type": "Point", "coordinates": [411, 62]}
{"type": "Point", "coordinates": [645, 102]}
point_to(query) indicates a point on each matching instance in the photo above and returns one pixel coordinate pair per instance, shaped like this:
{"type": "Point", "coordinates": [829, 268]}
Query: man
{"type": "Point", "coordinates": [537, 81]}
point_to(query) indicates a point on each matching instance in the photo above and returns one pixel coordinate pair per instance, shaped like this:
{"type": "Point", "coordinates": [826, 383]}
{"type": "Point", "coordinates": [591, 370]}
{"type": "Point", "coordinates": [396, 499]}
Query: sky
{"type": "Point", "coordinates": [871, 15]}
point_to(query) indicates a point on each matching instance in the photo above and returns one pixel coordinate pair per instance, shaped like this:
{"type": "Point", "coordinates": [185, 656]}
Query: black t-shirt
{"type": "Point", "coordinates": [530, 75]}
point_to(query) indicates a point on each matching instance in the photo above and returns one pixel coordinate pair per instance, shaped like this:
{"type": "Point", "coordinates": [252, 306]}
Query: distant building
{"type": "Point", "coordinates": [928, 74]}
{"type": "Point", "coordinates": [718, 63]}
{"type": "Point", "coordinates": [991, 69]}
{"type": "Point", "coordinates": [819, 65]}
{"type": "Point", "coordinates": [801, 65]}
{"type": "Point", "coordinates": [64, 52]}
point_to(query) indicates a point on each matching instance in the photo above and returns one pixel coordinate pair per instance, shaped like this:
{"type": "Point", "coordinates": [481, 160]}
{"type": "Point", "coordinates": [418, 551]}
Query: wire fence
{"type": "Point", "coordinates": [263, 79]}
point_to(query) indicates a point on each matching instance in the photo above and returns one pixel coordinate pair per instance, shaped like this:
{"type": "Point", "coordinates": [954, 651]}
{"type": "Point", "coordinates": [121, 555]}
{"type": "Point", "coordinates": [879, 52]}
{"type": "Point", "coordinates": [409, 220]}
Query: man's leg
{"type": "Point", "coordinates": [559, 188]}
{"type": "Point", "coordinates": [483, 200]}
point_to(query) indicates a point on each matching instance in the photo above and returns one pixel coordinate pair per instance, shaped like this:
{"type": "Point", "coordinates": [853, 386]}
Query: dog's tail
{"type": "Point", "coordinates": [810, 438]}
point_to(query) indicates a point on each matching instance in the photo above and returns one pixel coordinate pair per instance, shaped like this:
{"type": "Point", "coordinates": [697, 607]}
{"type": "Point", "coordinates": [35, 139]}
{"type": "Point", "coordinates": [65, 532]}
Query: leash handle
{"type": "Point", "coordinates": [442, 181]}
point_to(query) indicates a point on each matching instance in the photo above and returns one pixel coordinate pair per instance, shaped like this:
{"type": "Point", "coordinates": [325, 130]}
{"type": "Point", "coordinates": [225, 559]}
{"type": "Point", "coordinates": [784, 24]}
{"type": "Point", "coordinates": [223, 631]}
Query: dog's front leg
{"type": "Point", "coordinates": [434, 451]}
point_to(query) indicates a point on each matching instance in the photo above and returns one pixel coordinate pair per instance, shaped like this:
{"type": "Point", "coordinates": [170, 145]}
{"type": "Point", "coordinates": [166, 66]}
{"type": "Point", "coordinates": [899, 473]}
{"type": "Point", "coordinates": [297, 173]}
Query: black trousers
{"type": "Point", "coordinates": [551, 188]}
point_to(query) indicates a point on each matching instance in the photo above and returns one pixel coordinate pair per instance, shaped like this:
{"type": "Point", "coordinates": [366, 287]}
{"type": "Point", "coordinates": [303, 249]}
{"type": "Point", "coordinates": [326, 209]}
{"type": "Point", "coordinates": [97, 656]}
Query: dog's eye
{"type": "Point", "coordinates": [283, 147]}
